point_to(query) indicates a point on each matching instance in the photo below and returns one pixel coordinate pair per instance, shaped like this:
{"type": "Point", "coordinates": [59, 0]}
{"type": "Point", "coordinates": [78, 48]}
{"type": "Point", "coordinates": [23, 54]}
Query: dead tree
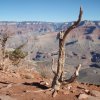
{"type": "Point", "coordinates": [5, 36]}
{"type": "Point", "coordinates": [58, 78]}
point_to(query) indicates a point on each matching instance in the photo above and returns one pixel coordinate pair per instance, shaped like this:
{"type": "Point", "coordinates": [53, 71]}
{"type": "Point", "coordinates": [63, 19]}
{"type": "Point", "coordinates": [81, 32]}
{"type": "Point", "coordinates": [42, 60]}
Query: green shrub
{"type": "Point", "coordinates": [17, 54]}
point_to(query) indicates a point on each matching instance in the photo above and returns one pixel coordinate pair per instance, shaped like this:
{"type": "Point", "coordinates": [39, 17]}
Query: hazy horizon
{"type": "Point", "coordinates": [44, 21]}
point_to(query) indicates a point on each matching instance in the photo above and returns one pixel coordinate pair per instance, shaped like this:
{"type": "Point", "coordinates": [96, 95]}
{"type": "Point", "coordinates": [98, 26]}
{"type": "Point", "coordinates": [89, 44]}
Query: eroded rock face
{"type": "Point", "coordinates": [90, 75]}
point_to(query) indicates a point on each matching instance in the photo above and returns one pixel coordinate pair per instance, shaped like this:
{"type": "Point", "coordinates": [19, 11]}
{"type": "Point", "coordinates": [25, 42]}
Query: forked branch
{"type": "Point", "coordinates": [75, 75]}
{"type": "Point", "coordinates": [74, 25]}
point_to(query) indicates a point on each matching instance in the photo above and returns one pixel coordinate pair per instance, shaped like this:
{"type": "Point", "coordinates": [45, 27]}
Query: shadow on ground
{"type": "Point", "coordinates": [36, 84]}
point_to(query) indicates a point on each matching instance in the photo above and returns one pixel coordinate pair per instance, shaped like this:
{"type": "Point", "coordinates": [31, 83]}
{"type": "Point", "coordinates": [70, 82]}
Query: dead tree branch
{"type": "Point", "coordinates": [74, 25]}
{"type": "Point", "coordinates": [75, 75]}
{"type": "Point", "coordinates": [54, 72]}
{"type": "Point", "coordinates": [58, 78]}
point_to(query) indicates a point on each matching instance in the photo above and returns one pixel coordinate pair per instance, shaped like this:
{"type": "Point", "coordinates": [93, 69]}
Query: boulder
{"type": "Point", "coordinates": [83, 96]}
{"type": "Point", "coordinates": [95, 93]}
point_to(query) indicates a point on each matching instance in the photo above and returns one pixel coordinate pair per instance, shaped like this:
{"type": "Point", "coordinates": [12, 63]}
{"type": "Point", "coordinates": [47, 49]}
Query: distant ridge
{"type": "Point", "coordinates": [42, 27]}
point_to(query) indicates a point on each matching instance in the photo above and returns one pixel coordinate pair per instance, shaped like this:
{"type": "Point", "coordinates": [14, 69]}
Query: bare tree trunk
{"type": "Point", "coordinates": [4, 40]}
{"type": "Point", "coordinates": [58, 78]}
{"type": "Point", "coordinates": [60, 69]}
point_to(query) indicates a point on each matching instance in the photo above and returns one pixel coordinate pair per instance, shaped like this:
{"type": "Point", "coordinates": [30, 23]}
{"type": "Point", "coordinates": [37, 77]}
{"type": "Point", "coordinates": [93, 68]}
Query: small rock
{"type": "Point", "coordinates": [10, 85]}
{"type": "Point", "coordinates": [66, 92]}
{"type": "Point", "coordinates": [47, 83]}
{"type": "Point", "coordinates": [17, 75]}
{"type": "Point", "coordinates": [8, 93]}
{"type": "Point", "coordinates": [80, 87]}
{"type": "Point", "coordinates": [28, 76]}
{"type": "Point", "coordinates": [83, 96]}
{"type": "Point", "coordinates": [69, 87]}
{"type": "Point", "coordinates": [24, 90]}
{"type": "Point", "coordinates": [86, 91]}
{"type": "Point", "coordinates": [54, 94]}
{"type": "Point", "coordinates": [73, 91]}
{"type": "Point", "coordinates": [44, 83]}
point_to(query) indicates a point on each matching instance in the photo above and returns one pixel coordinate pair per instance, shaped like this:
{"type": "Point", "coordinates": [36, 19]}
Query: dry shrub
{"type": "Point", "coordinates": [45, 71]}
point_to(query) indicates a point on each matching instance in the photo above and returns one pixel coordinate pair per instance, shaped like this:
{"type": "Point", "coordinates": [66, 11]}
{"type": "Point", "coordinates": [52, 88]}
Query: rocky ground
{"type": "Point", "coordinates": [29, 85]}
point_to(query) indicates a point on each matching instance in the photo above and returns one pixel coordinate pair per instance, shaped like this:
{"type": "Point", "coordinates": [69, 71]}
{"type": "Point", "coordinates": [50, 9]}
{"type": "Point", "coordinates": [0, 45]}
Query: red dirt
{"type": "Point", "coordinates": [13, 85]}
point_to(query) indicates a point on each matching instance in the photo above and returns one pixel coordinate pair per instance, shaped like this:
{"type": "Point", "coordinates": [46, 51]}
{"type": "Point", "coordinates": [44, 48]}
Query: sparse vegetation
{"type": "Point", "coordinates": [4, 39]}
{"type": "Point", "coordinates": [43, 74]}
{"type": "Point", "coordinates": [44, 69]}
{"type": "Point", "coordinates": [17, 55]}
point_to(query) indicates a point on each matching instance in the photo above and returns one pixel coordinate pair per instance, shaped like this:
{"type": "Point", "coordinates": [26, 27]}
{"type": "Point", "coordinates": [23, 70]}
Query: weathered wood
{"type": "Point", "coordinates": [3, 43]}
{"type": "Point", "coordinates": [52, 67]}
{"type": "Point", "coordinates": [74, 76]}
{"type": "Point", "coordinates": [74, 25]}
{"type": "Point", "coordinates": [58, 78]}
{"type": "Point", "coordinates": [60, 69]}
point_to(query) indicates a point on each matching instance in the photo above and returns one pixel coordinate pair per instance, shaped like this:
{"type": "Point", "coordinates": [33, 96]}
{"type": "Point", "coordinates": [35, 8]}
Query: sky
{"type": "Point", "coordinates": [48, 10]}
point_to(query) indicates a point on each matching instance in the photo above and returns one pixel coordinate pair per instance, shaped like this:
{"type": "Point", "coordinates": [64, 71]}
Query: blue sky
{"type": "Point", "coordinates": [48, 10]}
